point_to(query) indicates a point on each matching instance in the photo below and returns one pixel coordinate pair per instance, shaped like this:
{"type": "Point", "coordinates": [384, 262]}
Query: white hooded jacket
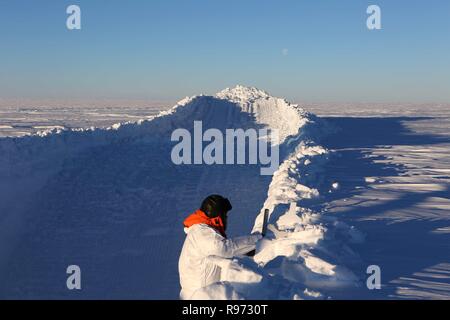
{"type": "Point", "coordinates": [197, 266]}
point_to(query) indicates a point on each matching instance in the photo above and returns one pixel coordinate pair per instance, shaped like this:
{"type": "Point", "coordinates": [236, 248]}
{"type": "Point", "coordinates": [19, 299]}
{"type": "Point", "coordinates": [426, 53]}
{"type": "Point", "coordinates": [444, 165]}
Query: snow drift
{"type": "Point", "coordinates": [112, 202]}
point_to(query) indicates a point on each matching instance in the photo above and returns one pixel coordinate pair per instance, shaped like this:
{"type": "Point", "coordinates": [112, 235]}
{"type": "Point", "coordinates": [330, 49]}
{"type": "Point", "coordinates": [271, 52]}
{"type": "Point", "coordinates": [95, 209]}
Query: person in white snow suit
{"type": "Point", "coordinates": [205, 241]}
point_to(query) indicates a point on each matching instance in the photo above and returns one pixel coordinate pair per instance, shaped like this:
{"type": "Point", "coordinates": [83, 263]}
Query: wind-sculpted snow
{"type": "Point", "coordinates": [112, 202]}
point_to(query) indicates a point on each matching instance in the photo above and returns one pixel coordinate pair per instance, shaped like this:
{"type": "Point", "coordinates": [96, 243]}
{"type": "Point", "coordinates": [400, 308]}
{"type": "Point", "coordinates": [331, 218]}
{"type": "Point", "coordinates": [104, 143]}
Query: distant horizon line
{"type": "Point", "coordinates": [117, 102]}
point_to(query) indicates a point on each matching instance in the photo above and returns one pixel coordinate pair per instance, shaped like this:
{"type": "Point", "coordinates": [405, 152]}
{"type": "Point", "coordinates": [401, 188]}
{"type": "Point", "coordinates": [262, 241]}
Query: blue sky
{"type": "Point", "coordinates": [167, 49]}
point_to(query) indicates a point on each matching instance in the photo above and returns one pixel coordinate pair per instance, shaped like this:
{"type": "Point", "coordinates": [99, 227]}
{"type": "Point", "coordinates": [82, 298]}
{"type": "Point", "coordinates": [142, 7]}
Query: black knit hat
{"type": "Point", "coordinates": [215, 205]}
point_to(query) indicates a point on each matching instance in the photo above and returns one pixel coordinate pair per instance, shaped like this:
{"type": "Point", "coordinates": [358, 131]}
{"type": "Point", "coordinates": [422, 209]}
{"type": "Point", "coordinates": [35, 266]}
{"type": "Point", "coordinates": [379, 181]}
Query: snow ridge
{"type": "Point", "coordinates": [243, 94]}
{"type": "Point", "coordinates": [302, 257]}
{"type": "Point", "coordinates": [305, 251]}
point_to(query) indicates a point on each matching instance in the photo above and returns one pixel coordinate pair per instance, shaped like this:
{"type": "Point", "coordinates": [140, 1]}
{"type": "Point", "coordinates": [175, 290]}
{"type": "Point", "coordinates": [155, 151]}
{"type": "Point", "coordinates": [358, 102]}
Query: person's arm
{"type": "Point", "coordinates": [214, 244]}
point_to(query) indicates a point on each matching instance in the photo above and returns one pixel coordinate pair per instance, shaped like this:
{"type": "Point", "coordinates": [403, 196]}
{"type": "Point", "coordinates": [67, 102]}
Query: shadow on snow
{"type": "Point", "coordinates": [402, 248]}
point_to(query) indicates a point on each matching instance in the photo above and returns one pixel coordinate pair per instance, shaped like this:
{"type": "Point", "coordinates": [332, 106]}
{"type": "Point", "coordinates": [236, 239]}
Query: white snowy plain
{"type": "Point", "coordinates": [366, 187]}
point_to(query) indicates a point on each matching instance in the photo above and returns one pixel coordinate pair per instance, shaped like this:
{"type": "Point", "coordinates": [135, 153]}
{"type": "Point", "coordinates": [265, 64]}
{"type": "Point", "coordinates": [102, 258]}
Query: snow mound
{"type": "Point", "coordinates": [274, 112]}
{"type": "Point", "coordinates": [112, 201]}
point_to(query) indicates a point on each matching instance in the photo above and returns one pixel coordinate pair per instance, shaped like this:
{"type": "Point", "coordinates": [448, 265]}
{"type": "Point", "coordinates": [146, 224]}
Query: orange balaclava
{"type": "Point", "coordinates": [200, 217]}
